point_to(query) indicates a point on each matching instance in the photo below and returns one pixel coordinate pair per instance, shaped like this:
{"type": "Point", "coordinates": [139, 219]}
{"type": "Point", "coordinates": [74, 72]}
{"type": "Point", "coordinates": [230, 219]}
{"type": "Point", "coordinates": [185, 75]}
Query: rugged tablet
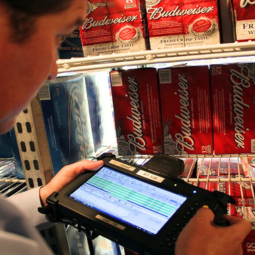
{"type": "Point", "coordinates": [132, 206]}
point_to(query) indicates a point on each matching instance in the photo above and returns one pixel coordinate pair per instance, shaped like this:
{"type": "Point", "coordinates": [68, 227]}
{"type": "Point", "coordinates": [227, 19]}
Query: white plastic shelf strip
{"type": "Point", "coordinates": [157, 56]}
{"type": "Point", "coordinates": [239, 178]}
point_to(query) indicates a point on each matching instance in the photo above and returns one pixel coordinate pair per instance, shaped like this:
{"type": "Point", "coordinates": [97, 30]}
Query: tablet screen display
{"type": "Point", "coordinates": [129, 200]}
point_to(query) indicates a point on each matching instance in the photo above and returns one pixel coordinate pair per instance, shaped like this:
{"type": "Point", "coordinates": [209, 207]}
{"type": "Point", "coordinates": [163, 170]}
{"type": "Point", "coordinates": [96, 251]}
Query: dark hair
{"type": "Point", "coordinates": [23, 15]}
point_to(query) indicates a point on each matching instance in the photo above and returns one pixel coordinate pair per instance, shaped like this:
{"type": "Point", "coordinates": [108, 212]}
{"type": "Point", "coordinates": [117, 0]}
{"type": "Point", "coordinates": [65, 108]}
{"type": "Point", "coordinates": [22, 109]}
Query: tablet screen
{"type": "Point", "coordinates": [129, 200]}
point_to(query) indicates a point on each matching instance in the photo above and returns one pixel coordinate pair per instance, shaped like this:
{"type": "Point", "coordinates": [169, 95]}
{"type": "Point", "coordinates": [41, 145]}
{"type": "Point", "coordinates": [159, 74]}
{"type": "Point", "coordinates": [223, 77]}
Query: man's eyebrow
{"type": "Point", "coordinates": [79, 22]}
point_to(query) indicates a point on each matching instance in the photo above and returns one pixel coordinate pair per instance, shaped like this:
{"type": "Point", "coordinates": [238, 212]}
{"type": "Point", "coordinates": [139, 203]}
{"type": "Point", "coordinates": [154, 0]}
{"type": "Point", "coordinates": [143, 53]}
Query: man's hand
{"type": "Point", "coordinates": [202, 237]}
{"type": "Point", "coordinates": [66, 175]}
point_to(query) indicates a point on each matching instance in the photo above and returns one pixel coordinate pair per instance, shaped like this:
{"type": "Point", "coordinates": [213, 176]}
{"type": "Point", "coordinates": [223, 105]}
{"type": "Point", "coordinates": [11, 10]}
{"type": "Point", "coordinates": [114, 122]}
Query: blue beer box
{"type": "Point", "coordinates": [67, 120]}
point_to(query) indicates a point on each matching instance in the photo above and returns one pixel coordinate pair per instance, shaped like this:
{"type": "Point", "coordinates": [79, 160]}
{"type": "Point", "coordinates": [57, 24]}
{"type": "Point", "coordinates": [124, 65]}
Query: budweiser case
{"type": "Point", "coordinates": [201, 22]}
{"type": "Point", "coordinates": [233, 93]}
{"type": "Point", "coordinates": [182, 23]}
{"type": "Point", "coordinates": [112, 27]}
{"type": "Point", "coordinates": [136, 109]}
{"type": "Point", "coordinates": [186, 110]}
{"type": "Point", "coordinates": [164, 24]}
{"type": "Point", "coordinates": [244, 19]}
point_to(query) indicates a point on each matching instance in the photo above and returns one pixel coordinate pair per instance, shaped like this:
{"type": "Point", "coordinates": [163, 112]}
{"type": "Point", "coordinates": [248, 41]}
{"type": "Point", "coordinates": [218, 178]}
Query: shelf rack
{"type": "Point", "coordinates": [149, 57]}
{"type": "Point", "coordinates": [247, 181]}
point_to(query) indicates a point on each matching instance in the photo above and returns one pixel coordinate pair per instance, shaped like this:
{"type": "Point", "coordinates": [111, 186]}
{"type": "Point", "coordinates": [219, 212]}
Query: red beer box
{"type": "Point", "coordinates": [112, 27]}
{"type": "Point", "coordinates": [244, 208]}
{"type": "Point", "coordinates": [244, 11]}
{"type": "Point", "coordinates": [219, 166]}
{"type": "Point", "coordinates": [235, 189]}
{"type": "Point", "coordinates": [165, 24]}
{"type": "Point", "coordinates": [211, 186]}
{"type": "Point", "coordinates": [200, 22]}
{"type": "Point", "coordinates": [249, 244]}
{"type": "Point", "coordinates": [136, 110]}
{"type": "Point", "coordinates": [189, 165]}
{"type": "Point", "coordinates": [233, 93]}
{"type": "Point", "coordinates": [248, 164]}
{"type": "Point", "coordinates": [186, 110]}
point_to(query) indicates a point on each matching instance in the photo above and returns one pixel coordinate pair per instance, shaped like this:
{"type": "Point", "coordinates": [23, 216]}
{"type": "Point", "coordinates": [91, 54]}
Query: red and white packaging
{"type": "Point", "coordinates": [200, 22]}
{"type": "Point", "coordinates": [234, 189]}
{"type": "Point", "coordinates": [182, 23]}
{"type": "Point", "coordinates": [186, 110]}
{"type": "Point", "coordinates": [211, 186]}
{"type": "Point", "coordinates": [248, 164]}
{"type": "Point", "coordinates": [244, 208]}
{"type": "Point", "coordinates": [249, 244]}
{"type": "Point", "coordinates": [218, 167]}
{"type": "Point", "coordinates": [189, 165]}
{"type": "Point", "coordinates": [233, 93]}
{"type": "Point", "coordinates": [136, 109]}
{"type": "Point", "coordinates": [112, 27]}
{"type": "Point", "coordinates": [165, 24]}
{"type": "Point", "coordinates": [244, 19]}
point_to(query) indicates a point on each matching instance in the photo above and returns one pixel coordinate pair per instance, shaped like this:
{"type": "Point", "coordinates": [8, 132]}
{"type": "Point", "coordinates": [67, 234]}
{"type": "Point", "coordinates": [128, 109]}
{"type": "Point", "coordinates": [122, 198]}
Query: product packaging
{"type": "Point", "coordinates": [233, 93]}
{"type": "Point", "coordinates": [136, 111]}
{"type": "Point", "coordinates": [244, 20]}
{"type": "Point", "coordinates": [179, 23]}
{"type": "Point", "coordinates": [67, 121]}
{"type": "Point", "coordinates": [186, 110]}
{"type": "Point", "coordinates": [113, 27]}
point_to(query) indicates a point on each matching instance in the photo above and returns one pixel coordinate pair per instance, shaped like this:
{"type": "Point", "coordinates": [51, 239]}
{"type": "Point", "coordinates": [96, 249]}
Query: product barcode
{"type": "Point", "coordinates": [44, 93]}
{"type": "Point", "coordinates": [165, 76]}
{"type": "Point", "coordinates": [116, 79]}
{"type": "Point", "coordinates": [252, 145]}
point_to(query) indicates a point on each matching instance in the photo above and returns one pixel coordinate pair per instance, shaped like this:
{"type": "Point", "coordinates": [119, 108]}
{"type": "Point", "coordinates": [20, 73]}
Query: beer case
{"type": "Point", "coordinates": [178, 23]}
{"type": "Point", "coordinates": [244, 20]}
{"type": "Point", "coordinates": [113, 27]}
{"type": "Point", "coordinates": [136, 110]}
{"type": "Point", "coordinates": [186, 110]}
{"type": "Point", "coordinates": [67, 122]}
{"type": "Point", "coordinates": [233, 93]}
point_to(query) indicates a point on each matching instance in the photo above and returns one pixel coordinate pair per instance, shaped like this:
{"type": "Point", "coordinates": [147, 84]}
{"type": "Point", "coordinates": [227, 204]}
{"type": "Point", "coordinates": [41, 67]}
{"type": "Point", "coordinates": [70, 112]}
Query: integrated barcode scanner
{"type": "Point", "coordinates": [133, 206]}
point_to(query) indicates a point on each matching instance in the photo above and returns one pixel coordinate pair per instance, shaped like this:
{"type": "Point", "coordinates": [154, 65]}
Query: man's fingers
{"type": "Point", "coordinates": [205, 214]}
{"type": "Point", "coordinates": [239, 225]}
{"type": "Point", "coordinates": [79, 167]}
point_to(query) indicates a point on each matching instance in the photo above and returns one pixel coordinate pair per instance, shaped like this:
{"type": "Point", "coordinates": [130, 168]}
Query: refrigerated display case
{"type": "Point", "coordinates": [37, 164]}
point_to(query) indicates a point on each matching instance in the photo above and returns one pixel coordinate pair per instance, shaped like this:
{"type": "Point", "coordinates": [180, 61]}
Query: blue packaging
{"type": "Point", "coordinates": [5, 146]}
{"type": "Point", "coordinates": [51, 128]}
{"type": "Point", "coordinates": [16, 156]}
{"type": "Point", "coordinates": [101, 109]}
{"type": "Point", "coordinates": [71, 46]}
{"type": "Point", "coordinates": [67, 120]}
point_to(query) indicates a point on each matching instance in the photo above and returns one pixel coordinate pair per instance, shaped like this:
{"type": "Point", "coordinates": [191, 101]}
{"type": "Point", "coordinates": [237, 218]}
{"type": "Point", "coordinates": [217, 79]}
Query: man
{"type": "Point", "coordinates": [31, 31]}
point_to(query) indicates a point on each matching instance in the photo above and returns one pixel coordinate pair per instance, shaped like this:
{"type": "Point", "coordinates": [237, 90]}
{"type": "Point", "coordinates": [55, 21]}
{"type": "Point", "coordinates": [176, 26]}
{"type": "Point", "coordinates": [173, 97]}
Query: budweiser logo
{"type": "Point", "coordinates": [184, 139]}
{"type": "Point", "coordinates": [135, 140]}
{"type": "Point", "coordinates": [245, 3]}
{"type": "Point", "coordinates": [157, 13]}
{"type": "Point", "coordinates": [80, 121]}
{"type": "Point", "coordinates": [240, 81]}
{"type": "Point", "coordinates": [90, 22]}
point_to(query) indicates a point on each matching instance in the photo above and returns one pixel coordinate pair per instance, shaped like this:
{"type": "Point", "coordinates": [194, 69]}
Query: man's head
{"type": "Point", "coordinates": [31, 31]}
{"type": "Point", "coordinates": [22, 15]}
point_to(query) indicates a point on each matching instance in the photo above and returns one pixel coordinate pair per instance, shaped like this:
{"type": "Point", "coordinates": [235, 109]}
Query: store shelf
{"type": "Point", "coordinates": [9, 183]}
{"type": "Point", "coordinates": [157, 56]}
{"type": "Point", "coordinates": [244, 182]}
